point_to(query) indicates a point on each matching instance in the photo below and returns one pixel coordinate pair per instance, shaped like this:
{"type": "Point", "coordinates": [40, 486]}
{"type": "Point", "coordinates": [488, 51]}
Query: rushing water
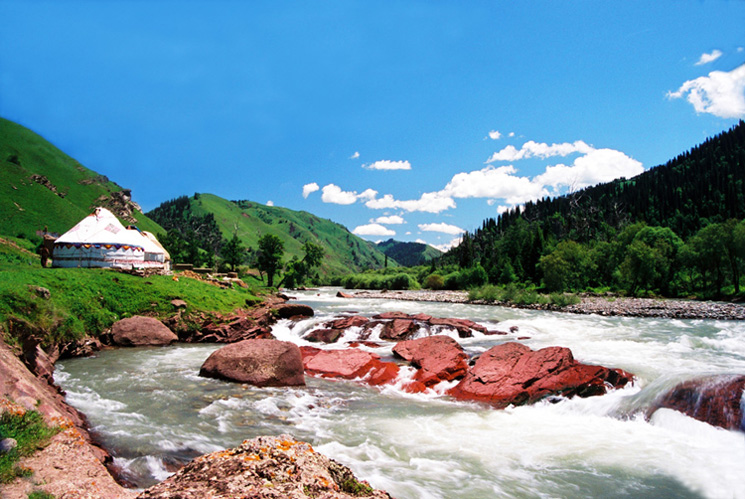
{"type": "Point", "coordinates": [153, 411]}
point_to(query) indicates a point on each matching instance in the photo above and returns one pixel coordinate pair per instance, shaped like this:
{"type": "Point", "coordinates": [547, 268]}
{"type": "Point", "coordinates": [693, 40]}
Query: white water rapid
{"type": "Point", "coordinates": [153, 411]}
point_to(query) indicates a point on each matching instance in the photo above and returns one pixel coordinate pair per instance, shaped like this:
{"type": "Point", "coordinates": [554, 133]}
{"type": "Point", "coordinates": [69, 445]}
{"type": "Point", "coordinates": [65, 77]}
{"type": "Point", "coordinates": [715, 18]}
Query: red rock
{"type": "Point", "coordinates": [141, 331]}
{"type": "Point", "coordinates": [350, 363]}
{"type": "Point", "coordinates": [347, 322]}
{"type": "Point", "coordinates": [437, 358]}
{"type": "Point", "coordinates": [393, 315]}
{"type": "Point", "coordinates": [344, 295]}
{"type": "Point", "coordinates": [463, 326]}
{"type": "Point", "coordinates": [716, 400]}
{"type": "Point", "coordinates": [289, 310]}
{"type": "Point", "coordinates": [512, 373]}
{"type": "Point", "coordinates": [323, 335]}
{"type": "Point", "coordinates": [257, 362]}
{"type": "Point", "coordinates": [398, 329]}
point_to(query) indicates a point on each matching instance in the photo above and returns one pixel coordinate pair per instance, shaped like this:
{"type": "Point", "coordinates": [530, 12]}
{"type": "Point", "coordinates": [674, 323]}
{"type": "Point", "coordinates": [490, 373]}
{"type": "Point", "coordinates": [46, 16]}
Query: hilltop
{"type": "Point", "coordinates": [409, 254]}
{"type": "Point", "coordinates": [211, 217]}
{"type": "Point", "coordinates": [41, 186]}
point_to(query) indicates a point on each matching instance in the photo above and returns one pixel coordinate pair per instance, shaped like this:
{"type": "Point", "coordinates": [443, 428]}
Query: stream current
{"type": "Point", "coordinates": [153, 412]}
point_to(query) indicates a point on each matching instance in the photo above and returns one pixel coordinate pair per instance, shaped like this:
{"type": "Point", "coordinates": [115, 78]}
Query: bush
{"type": "Point", "coordinates": [434, 281]}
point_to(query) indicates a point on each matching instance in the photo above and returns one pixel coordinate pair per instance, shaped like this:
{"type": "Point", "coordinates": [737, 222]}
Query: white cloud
{"type": "Point", "coordinates": [441, 227]}
{"type": "Point", "coordinates": [355, 155]}
{"type": "Point", "coordinates": [373, 230]}
{"type": "Point", "coordinates": [600, 165]}
{"type": "Point", "coordinates": [494, 183]}
{"type": "Point", "coordinates": [391, 220]}
{"type": "Point", "coordinates": [707, 58]}
{"type": "Point", "coordinates": [720, 93]}
{"type": "Point", "coordinates": [388, 165]}
{"type": "Point", "coordinates": [429, 202]}
{"type": "Point", "coordinates": [367, 195]}
{"type": "Point", "coordinates": [270, 203]}
{"type": "Point", "coordinates": [539, 149]}
{"type": "Point", "coordinates": [333, 194]}
{"type": "Point", "coordinates": [495, 135]}
{"type": "Point", "coordinates": [309, 188]}
{"type": "Point", "coordinates": [511, 134]}
{"type": "Point", "coordinates": [449, 245]}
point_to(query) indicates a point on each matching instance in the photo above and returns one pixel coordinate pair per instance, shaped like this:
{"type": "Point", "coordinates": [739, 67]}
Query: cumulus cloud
{"type": "Point", "coordinates": [332, 193]}
{"type": "Point", "coordinates": [373, 230]}
{"type": "Point", "coordinates": [539, 149]}
{"type": "Point", "coordinates": [270, 203]}
{"type": "Point", "coordinates": [494, 183]}
{"type": "Point", "coordinates": [429, 202]}
{"type": "Point", "coordinates": [355, 155]}
{"type": "Point", "coordinates": [448, 245]}
{"type": "Point", "coordinates": [391, 220]}
{"type": "Point", "coordinates": [308, 189]}
{"type": "Point", "coordinates": [441, 227]}
{"type": "Point", "coordinates": [720, 93]}
{"type": "Point", "coordinates": [495, 135]}
{"type": "Point", "coordinates": [599, 165]}
{"type": "Point", "coordinates": [707, 58]}
{"type": "Point", "coordinates": [388, 165]}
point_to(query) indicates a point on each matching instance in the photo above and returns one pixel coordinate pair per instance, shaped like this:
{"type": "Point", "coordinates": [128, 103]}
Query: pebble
{"type": "Point", "coordinates": [7, 444]}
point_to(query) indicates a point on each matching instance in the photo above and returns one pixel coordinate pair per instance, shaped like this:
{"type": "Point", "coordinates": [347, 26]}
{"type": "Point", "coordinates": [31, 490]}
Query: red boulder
{"type": "Point", "coordinates": [351, 363]}
{"type": "Point", "coordinates": [716, 400]}
{"type": "Point", "coordinates": [257, 362]}
{"type": "Point", "coordinates": [437, 358]}
{"type": "Point", "coordinates": [141, 331]}
{"type": "Point", "coordinates": [398, 329]}
{"type": "Point", "coordinates": [512, 373]}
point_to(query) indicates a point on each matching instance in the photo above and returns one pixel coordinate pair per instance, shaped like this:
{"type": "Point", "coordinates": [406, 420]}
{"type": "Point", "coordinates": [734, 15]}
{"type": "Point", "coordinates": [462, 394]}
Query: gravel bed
{"type": "Point", "coordinates": [608, 306]}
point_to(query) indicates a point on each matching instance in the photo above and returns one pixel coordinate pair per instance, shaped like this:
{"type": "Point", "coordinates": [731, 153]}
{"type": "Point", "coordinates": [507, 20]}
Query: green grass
{"type": "Point", "coordinates": [40, 494]}
{"type": "Point", "coordinates": [87, 301]}
{"type": "Point", "coordinates": [344, 251]}
{"type": "Point", "coordinates": [30, 432]}
{"type": "Point", "coordinates": [26, 206]}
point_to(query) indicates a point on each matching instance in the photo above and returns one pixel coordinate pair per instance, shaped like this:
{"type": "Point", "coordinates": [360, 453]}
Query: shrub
{"type": "Point", "coordinates": [434, 281]}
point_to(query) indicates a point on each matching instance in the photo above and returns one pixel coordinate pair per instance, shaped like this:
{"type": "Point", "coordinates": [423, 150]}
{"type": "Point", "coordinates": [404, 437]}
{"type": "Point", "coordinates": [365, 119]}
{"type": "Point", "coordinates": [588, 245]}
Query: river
{"type": "Point", "coordinates": [153, 411]}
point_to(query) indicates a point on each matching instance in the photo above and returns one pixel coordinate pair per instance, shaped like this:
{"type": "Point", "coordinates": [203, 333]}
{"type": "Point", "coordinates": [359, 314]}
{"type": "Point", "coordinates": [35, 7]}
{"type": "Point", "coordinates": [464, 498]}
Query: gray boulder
{"type": "Point", "coordinates": [260, 362]}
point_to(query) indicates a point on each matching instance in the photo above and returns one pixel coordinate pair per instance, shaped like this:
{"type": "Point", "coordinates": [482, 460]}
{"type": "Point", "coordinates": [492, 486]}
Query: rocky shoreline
{"type": "Point", "coordinates": [605, 306]}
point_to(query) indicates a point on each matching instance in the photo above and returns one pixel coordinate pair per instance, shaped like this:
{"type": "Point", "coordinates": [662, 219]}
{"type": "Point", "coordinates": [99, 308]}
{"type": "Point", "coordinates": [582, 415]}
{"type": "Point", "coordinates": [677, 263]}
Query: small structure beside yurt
{"type": "Point", "coordinates": [100, 240]}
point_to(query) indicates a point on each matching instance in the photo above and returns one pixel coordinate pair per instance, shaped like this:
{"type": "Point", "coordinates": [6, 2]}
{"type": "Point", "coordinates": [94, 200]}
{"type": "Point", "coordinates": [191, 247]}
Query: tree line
{"type": "Point", "coordinates": [674, 230]}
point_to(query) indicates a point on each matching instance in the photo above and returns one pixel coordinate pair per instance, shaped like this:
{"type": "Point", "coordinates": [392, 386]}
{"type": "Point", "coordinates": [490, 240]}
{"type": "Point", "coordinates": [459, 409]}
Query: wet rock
{"type": "Point", "coordinates": [717, 400]}
{"type": "Point", "coordinates": [289, 310]}
{"type": "Point", "coordinates": [323, 335]}
{"type": "Point", "coordinates": [512, 373]}
{"type": "Point", "coordinates": [263, 468]}
{"type": "Point", "coordinates": [437, 358]}
{"type": "Point", "coordinates": [141, 331]}
{"type": "Point", "coordinates": [347, 322]}
{"type": "Point", "coordinates": [344, 295]}
{"type": "Point", "coordinates": [257, 362]}
{"type": "Point", "coordinates": [398, 329]}
{"type": "Point", "coordinates": [351, 363]}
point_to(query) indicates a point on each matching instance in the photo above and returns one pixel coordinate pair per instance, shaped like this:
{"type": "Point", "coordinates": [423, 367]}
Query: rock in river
{"type": "Point", "coordinates": [437, 358]}
{"type": "Point", "coordinates": [257, 362]}
{"type": "Point", "coordinates": [263, 468]}
{"type": "Point", "coordinates": [717, 400]}
{"type": "Point", "coordinates": [512, 373]}
{"type": "Point", "coordinates": [141, 331]}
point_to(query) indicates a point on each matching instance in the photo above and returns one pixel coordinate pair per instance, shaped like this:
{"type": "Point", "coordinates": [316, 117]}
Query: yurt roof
{"type": "Point", "coordinates": [101, 227]}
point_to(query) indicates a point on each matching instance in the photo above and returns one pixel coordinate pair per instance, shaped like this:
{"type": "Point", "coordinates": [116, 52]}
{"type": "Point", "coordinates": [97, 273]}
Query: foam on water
{"type": "Point", "coordinates": [151, 407]}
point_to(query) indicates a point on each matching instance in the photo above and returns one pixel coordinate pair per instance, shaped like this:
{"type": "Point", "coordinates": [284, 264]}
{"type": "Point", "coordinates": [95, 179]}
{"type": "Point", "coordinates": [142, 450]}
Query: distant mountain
{"type": "Point", "coordinates": [40, 186]}
{"type": "Point", "coordinates": [409, 254]}
{"type": "Point", "coordinates": [217, 217]}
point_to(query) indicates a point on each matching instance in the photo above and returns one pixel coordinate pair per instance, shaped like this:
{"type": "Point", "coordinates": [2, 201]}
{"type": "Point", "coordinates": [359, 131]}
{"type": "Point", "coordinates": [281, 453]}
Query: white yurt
{"type": "Point", "coordinates": [100, 240]}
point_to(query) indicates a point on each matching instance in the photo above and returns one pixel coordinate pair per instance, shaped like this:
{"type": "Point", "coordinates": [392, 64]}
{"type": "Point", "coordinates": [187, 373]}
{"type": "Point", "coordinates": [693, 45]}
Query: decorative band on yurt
{"type": "Point", "coordinates": [125, 247]}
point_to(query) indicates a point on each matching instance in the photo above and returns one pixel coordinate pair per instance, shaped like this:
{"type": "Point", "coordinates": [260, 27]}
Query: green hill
{"type": "Point", "coordinates": [345, 252]}
{"type": "Point", "coordinates": [40, 186]}
{"type": "Point", "coordinates": [409, 254]}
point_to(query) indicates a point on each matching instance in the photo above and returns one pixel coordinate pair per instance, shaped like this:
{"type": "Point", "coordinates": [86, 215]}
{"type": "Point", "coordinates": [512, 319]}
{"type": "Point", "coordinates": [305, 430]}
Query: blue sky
{"type": "Point", "coordinates": [414, 120]}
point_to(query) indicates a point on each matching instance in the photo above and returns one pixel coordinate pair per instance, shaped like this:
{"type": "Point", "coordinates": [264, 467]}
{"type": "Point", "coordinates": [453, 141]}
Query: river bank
{"type": "Point", "coordinates": [605, 306]}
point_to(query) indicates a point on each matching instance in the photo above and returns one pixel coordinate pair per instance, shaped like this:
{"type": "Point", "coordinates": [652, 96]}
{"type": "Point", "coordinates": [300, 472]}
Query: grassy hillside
{"type": "Point", "coordinates": [345, 252]}
{"type": "Point", "coordinates": [42, 186]}
{"type": "Point", "coordinates": [409, 254]}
